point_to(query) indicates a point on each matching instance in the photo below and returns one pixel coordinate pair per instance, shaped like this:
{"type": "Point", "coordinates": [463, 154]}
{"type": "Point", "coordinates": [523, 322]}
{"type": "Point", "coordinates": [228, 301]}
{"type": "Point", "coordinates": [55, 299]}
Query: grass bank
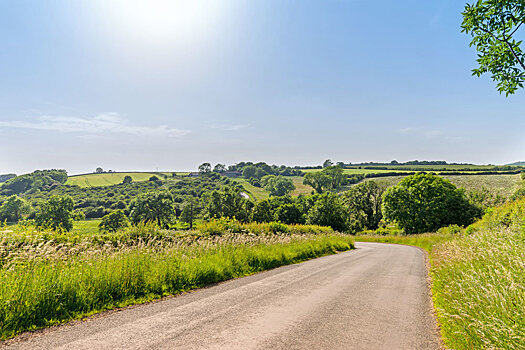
{"type": "Point", "coordinates": [50, 281]}
{"type": "Point", "coordinates": [479, 283]}
{"type": "Point", "coordinates": [478, 279]}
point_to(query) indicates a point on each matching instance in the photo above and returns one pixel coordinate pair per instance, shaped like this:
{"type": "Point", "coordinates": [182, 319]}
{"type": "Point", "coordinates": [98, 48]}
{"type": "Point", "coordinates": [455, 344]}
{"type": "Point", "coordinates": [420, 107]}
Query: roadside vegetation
{"type": "Point", "coordinates": [49, 277]}
{"type": "Point", "coordinates": [170, 233]}
{"type": "Point", "coordinates": [478, 277]}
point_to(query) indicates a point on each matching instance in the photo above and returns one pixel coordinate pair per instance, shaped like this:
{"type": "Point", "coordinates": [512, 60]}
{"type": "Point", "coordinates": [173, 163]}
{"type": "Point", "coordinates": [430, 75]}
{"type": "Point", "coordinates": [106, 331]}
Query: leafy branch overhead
{"type": "Point", "coordinates": [494, 24]}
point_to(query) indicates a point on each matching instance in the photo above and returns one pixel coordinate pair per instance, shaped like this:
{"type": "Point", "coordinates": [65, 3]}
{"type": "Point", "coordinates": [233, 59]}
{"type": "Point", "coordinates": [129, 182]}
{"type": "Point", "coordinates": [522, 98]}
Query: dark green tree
{"type": "Point", "coordinates": [155, 207]}
{"type": "Point", "coordinates": [227, 203]}
{"type": "Point", "coordinates": [249, 171]}
{"type": "Point", "coordinates": [56, 213]}
{"type": "Point", "coordinates": [278, 185]}
{"type": "Point", "coordinates": [188, 214]}
{"type": "Point", "coordinates": [127, 179]}
{"type": "Point", "coordinates": [290, 214]}
{"type": "Point", "coordinates": [363, 202]}
{"type": "Point", "coordinates": [205, 168]}
{"type": "Point", "coordinates": [219, 168]}
{"type": "Point", "coordinates": [425, 202]}
{"type": "Point", "coordinates": [493, 25]}
{"type": "Point", "coordinates": [318, 180]}
{"type": "Point", "coordinates": [335, 173]}
{"type": "Point", "coordinates": [328, 211]}
{"type": "Point", "coordinates": [327, 163]}
{"type": "Point", "coordinates": [113, 221]}
{"type": "Point", "coordinates": [13, 208]}
{"type": "Point", "coordinates": [262, 212]}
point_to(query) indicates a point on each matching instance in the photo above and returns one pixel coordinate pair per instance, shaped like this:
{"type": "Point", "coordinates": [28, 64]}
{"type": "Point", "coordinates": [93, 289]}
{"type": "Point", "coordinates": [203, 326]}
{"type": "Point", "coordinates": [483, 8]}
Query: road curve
{"type": "Point", "coordinates": [375, 297]}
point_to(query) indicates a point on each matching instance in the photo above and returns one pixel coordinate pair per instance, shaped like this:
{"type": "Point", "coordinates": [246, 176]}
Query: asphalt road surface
{"type": "Point", "coordinates": [375, 297]}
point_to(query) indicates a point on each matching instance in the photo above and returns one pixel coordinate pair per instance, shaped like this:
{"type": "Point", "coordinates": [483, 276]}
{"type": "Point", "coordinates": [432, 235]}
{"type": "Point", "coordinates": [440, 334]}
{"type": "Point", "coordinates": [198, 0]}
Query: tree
{"type": "Point", "coordinates": [188, 214]}
{"type": "Point", "coordinates": [249, 171]}
{"type": "Point", "coordinates": [426, 202]}
{"type": "Point", "coordinates": [228, 203]}
{"type": "Point", "coordinates": [13, 208]}
{"type": "Point", "coordinates": [262, 212]}
{"type": "Point", "coordinates": [328, 211]}
{"type": "Point", "coordinates": [113, 221]}
{"type": "Point", "coordinates": [493, 24]}
{"type": "Point", "coordinates": [219, 168]}
{"type": "Point", "coordinates": [318, 180]}
{"type": "Point", "coordinates": [278, 185]}
{"type": "Point", "coordinates": [128, 179]}
{"type": "Point", "coordinates": [155, 179]}
{"type": "Point", "coordinates": [56, 213]}
{"type": "Point", "coordinates": [327, 163]}
{"type": "Point", "coordinates": [99, 170]}
{"type": "Point", "coordinates": [290, 214]}
{"type": "Point", "coordinates": [363, 202]}
{"type": "Point", "coordinates": [336, 175]}
{"type": "Point", "coordinates": [205, 168]}
{"type": "Point", "coordinates": [155, 207]}
{"type": "Point", "coordinates": [329, 178]}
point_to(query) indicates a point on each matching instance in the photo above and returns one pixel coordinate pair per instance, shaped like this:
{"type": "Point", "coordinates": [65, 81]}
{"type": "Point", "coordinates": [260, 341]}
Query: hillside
{"type": "Point", "coordinates": [108, 179]}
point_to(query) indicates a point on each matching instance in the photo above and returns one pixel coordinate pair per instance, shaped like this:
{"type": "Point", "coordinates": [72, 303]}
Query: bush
{"type": "Point", "coordinates": [114, 221]}
{"type": "Point", "coordinates": [328, 211]}
{"type": "Point", "coordinates": [425, 202]}
{"type": "Point", "coordinates": [290, 214]}
{"type": "Point", "coordinates": [56, 213]}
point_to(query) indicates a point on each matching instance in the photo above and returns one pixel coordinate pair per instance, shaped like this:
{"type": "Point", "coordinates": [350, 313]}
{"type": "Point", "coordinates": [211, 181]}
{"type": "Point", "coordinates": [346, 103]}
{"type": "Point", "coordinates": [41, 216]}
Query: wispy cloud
{"type": "Point", "coordinates": [229, 127]}
{"type": "Point", "coordinates": [107, 123]}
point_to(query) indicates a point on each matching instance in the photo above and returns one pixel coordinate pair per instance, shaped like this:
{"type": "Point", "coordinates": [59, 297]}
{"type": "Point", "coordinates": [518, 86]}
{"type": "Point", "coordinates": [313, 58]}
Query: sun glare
{"type": "Point", "coordinates": [160, 22]}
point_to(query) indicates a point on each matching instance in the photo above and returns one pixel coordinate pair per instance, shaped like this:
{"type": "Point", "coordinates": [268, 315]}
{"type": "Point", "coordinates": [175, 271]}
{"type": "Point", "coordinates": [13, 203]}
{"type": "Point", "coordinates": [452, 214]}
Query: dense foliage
{"type": "Point", "coordinates": [114, 221]}
{"type": "Point", "coordinates": [426, 202]}
{"type": "Point", "coordinates": [56, 213]}
{"type": "Point", "coordinates": [157, 207]}
{"type": "Point", "coordinates": [493, 25]}
{"type": "Point", "coordinates": [364, 206]}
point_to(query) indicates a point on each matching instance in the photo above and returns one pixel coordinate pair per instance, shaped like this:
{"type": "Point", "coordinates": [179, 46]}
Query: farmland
{"type": "Point", "coordinates": [503, 185]}
{"type": "Point", "coordinates": [108, 179]}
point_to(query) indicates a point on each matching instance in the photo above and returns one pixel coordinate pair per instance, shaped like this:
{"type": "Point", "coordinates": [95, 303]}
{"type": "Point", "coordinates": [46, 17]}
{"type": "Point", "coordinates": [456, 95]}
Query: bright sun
{"type": "Point", "coordinates": [160, 22]}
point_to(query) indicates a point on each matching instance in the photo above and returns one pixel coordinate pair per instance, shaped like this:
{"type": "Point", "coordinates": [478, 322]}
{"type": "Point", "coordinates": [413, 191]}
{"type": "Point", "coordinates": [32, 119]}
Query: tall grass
{"type": "Point", "coordinates": [51, 281]}
{"type": "Point", "coordinates": [479, 283]}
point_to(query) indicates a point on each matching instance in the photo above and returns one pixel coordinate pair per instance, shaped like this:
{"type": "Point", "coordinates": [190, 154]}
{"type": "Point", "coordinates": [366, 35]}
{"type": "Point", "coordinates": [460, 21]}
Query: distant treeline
{"type": "Point", "coordinates": [5, 177]}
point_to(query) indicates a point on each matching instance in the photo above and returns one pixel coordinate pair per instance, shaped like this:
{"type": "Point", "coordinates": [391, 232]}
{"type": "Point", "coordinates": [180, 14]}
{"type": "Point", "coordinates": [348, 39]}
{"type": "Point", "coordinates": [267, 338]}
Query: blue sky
{"type": "Point", "coordinates": [158, 84]}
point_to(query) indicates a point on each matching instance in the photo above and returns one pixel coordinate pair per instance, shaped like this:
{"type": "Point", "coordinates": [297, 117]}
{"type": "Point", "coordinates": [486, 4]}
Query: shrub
{"type": "Point", "coordinates": [290, 214]}
{"type": "Point", "coordinates": [328, 211]}
{"type": "Point", "coordinates": [56, 213]}
{"type": "Point", "coordinates": [114, 221]}
{"type": "Point", "coordinates": [425, 202]}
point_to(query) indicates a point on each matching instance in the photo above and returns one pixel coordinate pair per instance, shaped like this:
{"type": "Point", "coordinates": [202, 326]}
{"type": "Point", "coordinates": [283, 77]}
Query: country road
{"type": "Point", "coordinates": [375, 297]}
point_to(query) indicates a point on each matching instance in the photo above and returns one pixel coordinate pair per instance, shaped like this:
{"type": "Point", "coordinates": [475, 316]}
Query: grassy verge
{"type": "Point", "coordinates": [426, 241]}
{"type": "Point", "coordinates": [46, 282]}
{"type": "Point", "coordinates": [478, 279]}
{"type": "Point", "coordinates": [479, 283]}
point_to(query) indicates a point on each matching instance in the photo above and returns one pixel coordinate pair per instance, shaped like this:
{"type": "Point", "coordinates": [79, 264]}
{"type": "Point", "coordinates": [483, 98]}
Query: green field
{"type": "Point", "coordinates": [108, 179]}
{"type": "Point", "coordinates": [259, 193]}
{"type": "Point", "coordinates": [503, 185]}
{"type": "Point", "coordinates": [355, 171]}
{"type": "Point", "coordinates": [381, 169]}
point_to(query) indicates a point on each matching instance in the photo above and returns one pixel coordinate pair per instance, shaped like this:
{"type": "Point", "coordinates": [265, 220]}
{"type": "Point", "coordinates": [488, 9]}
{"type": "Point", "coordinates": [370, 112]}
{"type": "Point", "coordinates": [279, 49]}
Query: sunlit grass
{"type": "Point", "coordinates": [52, 277]}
